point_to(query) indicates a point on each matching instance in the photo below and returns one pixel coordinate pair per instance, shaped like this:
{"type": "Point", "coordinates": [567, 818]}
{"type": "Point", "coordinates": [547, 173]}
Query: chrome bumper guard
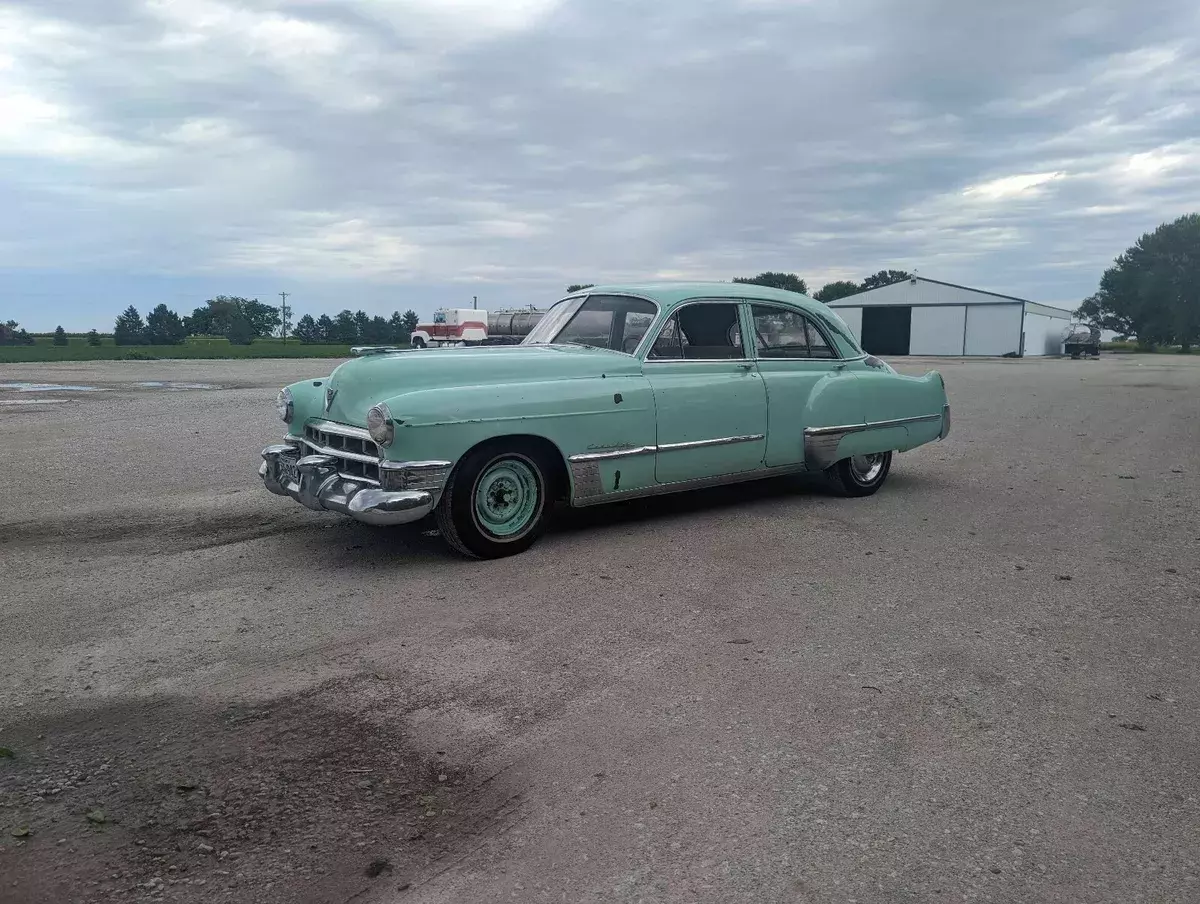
{"type": "Point", "coordinates": [945, 422]}
{"type": "Point", "coordinates": [317, 485]}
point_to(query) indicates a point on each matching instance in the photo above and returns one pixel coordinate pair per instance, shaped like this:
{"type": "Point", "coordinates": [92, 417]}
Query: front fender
{"type": "Point", "coordinates": [578, 416]}
{"type": "Point", "coordinates": [308, 402]}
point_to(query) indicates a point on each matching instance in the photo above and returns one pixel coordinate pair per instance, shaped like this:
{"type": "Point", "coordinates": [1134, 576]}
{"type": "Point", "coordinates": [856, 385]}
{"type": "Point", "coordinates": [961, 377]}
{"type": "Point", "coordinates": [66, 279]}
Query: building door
{"type": "Point", "coordinates": [886, 330]}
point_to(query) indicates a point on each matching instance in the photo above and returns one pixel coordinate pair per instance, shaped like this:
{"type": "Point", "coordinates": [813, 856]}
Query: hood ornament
{"type": "Point", "coordinates": [329, 396]}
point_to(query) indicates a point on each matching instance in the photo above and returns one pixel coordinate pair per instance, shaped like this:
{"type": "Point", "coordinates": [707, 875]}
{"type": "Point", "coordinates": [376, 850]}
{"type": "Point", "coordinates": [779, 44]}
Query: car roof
{"type": "Point", "coordinates": [670, 293]}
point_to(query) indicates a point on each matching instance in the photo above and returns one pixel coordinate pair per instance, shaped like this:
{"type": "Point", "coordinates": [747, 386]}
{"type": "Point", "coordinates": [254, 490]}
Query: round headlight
{"type": "Point", "coordinates": [380, 425]}
{"type": "Point", "coordinates": [283, 404]}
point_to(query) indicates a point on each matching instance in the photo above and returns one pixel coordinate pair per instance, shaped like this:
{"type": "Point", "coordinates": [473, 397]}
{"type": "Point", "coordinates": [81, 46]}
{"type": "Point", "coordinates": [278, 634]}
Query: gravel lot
{"type": "Point", "coordinates": [980, 684]}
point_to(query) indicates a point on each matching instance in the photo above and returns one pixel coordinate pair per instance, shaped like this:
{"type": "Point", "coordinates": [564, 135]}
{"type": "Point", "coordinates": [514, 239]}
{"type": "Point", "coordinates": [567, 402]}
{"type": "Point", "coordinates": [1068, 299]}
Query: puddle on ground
{"type": "Point", "coordinates": [172, 386]}
{"type": "Point", "coordinates": [49, 387]}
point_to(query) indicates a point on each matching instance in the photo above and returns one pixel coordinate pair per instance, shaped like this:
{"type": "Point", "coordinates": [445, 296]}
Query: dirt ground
{"type": "Point", "coordinates": [980, 684]}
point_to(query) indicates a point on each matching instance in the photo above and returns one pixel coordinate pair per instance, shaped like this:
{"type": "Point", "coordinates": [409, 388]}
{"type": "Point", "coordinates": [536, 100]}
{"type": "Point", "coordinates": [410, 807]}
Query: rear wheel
{"type": "Point", "coordinates": [496, 502]}
{"type": "Point", "coordinates": [860, 475]}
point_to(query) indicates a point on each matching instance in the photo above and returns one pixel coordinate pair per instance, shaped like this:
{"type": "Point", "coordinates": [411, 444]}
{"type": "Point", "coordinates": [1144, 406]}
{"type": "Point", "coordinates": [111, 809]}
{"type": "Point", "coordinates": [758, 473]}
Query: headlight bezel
{"type": "Point", "coordinates": [381, 426]}
{"type": "Point", "coordinates": [285, 405]}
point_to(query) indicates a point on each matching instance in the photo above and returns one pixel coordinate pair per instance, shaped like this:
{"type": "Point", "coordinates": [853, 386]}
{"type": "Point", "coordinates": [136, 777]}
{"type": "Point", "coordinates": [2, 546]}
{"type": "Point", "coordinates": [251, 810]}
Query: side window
{"type": "Point", "coordinates": [700, 332]}
{"type": "Point", "coordinates": [633, 328]}
{"type": "Point", "coordinates": [817, 346]}
{"type": "Point", "coordinates": [670, 342]}
{"type": "Point", "coordinates": [781, 333]}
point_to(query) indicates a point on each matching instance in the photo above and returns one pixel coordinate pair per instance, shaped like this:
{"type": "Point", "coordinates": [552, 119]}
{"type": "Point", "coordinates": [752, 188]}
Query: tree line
{"type": "Point", "coordinates": [347, 327]}
{"type": "Point", "coordinates": [242, 320]}
{"type": "Point", "coordinates": [1152, 291]}
{"type": "Point", "coordinates": [790, 282]}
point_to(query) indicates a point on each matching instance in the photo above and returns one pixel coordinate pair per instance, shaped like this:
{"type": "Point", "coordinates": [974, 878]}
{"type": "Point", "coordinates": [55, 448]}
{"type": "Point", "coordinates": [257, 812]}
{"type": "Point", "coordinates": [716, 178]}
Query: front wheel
{"type": "Point", "coordinates": [861, 475]}
{"type": "Point", "coordinates": [496, 502]}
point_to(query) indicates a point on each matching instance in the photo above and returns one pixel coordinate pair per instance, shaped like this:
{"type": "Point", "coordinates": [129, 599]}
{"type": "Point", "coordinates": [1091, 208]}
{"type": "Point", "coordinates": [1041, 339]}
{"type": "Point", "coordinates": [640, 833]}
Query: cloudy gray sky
{"type": "Point", "coordinates": [389, 154]}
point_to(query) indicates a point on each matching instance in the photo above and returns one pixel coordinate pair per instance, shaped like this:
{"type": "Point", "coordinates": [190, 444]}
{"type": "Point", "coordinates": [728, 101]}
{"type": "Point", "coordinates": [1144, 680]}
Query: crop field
{"type": "Point", "coordinates": [78, 349]}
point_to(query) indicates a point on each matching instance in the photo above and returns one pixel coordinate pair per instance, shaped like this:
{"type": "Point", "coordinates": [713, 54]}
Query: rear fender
{"type": "Point", "coordinates": [894, 413]}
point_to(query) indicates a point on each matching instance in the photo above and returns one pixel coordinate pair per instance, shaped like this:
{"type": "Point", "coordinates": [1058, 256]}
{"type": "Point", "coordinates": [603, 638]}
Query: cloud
{"type": "Point", "coordinates": [516, 147]}
{"type": "Point", "coordinates": [1010, 186]}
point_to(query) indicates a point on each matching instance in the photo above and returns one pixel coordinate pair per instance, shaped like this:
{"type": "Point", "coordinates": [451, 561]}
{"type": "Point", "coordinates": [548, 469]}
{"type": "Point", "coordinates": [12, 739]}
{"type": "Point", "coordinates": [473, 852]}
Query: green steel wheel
{"type": "Point", "coordinates": [496, 502]}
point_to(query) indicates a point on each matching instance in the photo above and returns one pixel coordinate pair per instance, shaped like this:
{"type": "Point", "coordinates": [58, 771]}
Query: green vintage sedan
{"type": "Point", "coordinates": [618, 392]}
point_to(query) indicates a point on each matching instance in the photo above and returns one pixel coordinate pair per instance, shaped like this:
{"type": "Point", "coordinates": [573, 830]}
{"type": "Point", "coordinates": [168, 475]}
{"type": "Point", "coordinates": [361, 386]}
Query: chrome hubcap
{"type": "Point", "coordinates": [866, 468]}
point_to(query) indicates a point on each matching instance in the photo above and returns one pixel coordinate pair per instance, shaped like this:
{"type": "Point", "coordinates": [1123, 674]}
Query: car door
{"type": "Point", "coordinates": [796, 360]}
{"type": "Point", "coordinates": [710, 402]}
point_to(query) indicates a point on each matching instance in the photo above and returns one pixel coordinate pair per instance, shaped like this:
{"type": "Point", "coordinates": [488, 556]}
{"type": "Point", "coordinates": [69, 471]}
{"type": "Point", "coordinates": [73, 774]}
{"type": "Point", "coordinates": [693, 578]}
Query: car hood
{"type": "Point", "coordinates": [362, 382]}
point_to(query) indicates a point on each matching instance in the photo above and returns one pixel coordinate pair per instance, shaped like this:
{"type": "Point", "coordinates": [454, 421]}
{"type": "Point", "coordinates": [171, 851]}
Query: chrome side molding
{"type": "Point", "coordinates": [821, 443]}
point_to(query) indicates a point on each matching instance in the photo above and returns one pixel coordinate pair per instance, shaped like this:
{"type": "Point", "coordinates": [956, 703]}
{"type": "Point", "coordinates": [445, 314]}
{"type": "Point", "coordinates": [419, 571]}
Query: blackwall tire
{"type": "Point", "coordinates": [497, 501]}
{"type": "Point", "coordinates": [861, 475]}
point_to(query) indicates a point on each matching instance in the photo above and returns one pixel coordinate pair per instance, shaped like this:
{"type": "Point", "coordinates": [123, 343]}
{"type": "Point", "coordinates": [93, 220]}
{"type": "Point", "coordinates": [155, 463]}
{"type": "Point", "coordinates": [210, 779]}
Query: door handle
{"type": "Point", "coordinates": [746, 366]}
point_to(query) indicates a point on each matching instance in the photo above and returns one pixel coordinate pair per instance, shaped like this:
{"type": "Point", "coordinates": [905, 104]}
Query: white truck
{"type": "Point", "coordinates": [450, 327]}
{"type": "Point", "coordinates": [471, 326]}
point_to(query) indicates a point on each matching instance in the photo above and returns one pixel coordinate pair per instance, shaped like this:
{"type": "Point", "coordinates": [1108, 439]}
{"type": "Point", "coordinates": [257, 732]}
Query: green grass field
{"type": "Point", "coordinates": [77, 349]}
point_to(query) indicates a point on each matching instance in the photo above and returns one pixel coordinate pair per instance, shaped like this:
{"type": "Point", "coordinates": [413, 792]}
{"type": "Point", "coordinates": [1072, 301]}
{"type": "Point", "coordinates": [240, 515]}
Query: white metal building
{"type": "Point", "coordinates": [925, 317]}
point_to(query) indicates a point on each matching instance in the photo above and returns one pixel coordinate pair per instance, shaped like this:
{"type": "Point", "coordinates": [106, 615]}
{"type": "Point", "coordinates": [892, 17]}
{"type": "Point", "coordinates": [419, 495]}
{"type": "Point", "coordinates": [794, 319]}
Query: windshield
{"type": "Point", "coordinates": [616, 322]}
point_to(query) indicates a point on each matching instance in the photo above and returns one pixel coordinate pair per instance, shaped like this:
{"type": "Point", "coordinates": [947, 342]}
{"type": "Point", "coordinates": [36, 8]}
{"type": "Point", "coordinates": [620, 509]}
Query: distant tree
{"type": "Point", "coordinates": [326, 330]}
{"type": "Point", "coordinates": [129, 328]}
{"type": "Point", "coordinates": [411, 322]}
{"type": "Point", "coordinates": [1152, 291]}
{"type": "Point", "coordinates": [362, 325]}
{"type": "Point", "coordinates": [163, 327]}
{"type": "Point", "coordinates": [833, 291]}
{"type": "Point", "coordinates": [306, 329]}
{"type": "Point", "coordinates": [884, 278]}
{"type": "Point", "coordinates": [575, 287]}
{"type": "Point", "coordinates": [344, 327]}
{"type": "Point", "coordinates": [93, 338]}
{"type": "Point", "coordinates": [264, 319]}
{"type": "Point", "coordinates": [217, 316]}
{"type": "Point", "coordinates": [396, 333]}
{"type": "Point", "coordinates": [787, 281]}
{"type": "Point", "coordinates": [241, 330]}
{"type": "Point", "coordinates": [376, 331]}
{"type": "Point", "coordinates": [12, 334]}
{"type": "Point", "coordinates": [60, 336]}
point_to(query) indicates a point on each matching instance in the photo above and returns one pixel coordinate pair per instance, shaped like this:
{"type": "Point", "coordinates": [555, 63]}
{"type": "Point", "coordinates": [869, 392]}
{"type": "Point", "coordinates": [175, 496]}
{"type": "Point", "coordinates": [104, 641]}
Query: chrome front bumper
{"type": "Point", "coordinates": [318, 486]}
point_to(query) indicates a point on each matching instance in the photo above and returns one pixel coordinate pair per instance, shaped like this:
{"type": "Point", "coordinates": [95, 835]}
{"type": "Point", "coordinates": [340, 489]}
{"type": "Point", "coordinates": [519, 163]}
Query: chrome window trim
{"type": "Point", "coordinates": [703, 360]}
{"type": "Point", "coordinates": [687, 302]}
{"type": "Point", "coordinates": [817, 325]}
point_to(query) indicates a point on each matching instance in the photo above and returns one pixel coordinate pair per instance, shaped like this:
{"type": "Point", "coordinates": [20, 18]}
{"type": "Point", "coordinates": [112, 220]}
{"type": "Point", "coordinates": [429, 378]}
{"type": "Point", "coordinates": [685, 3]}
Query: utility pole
{"type": "Point", "coordinates": [285, 316]}
{"type": "Point", "coordinates": [474, 301]}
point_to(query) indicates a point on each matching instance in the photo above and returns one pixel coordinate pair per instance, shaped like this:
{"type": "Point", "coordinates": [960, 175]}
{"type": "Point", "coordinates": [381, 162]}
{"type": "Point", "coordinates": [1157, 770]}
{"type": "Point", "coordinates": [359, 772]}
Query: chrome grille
{"type": "Point", "coordinates": [357, 455]}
